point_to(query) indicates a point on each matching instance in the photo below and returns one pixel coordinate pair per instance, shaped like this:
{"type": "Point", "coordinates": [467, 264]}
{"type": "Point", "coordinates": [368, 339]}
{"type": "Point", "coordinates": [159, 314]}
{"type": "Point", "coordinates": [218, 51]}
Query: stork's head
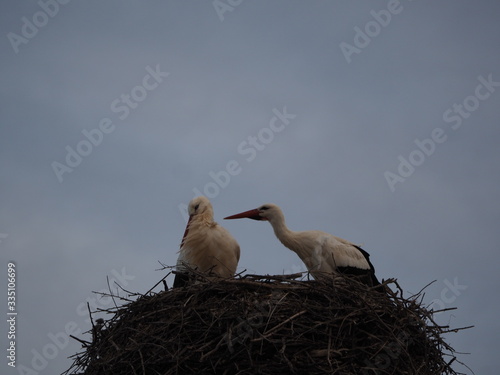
{"type": "Point", "coordinates": [268, 212]}
{"type": "Point", "coordinates": [200, 206]}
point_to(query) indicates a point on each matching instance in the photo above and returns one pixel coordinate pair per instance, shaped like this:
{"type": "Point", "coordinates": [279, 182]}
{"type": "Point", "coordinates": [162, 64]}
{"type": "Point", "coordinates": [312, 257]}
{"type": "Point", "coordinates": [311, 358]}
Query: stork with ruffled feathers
{"type": "Point", "coordinates": [205, 246]}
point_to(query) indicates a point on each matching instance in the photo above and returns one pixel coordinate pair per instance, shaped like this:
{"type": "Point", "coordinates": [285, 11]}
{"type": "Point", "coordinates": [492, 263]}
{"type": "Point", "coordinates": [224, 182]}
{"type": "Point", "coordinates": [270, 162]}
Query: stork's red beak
{"type": "Point", "coordinates": [251, 214]}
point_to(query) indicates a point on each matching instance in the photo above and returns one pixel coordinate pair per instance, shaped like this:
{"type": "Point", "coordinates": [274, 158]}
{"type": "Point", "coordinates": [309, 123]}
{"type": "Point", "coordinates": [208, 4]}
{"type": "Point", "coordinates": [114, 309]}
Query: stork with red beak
{"type": "Point", "coordinates": [321, 252]}
{"type": "Point", "coordinates": [205, 246]}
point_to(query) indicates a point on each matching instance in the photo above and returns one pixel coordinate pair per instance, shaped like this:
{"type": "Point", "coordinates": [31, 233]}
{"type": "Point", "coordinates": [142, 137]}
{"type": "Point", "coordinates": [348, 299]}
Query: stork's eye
{"type": "Point", "coordinates": [263, 208]}
{"type": "Point", "coordinates": [196, 207]}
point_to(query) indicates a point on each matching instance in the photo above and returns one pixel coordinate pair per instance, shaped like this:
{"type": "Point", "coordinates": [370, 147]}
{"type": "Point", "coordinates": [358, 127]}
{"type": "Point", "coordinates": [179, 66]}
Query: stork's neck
{"type": "Point", "coordinates": [292, 240]}
{"type": "Point", "coordinates": [285, 235]}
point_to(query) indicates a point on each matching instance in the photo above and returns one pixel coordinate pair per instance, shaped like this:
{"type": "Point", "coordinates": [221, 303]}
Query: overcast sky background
{"type": "Point", "coordinates": [117, 212]}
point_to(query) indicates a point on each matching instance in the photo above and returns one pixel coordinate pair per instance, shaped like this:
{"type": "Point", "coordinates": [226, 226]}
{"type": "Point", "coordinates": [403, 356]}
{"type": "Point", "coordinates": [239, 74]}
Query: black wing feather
{"type": "Point", "coordinates": [369, 275]}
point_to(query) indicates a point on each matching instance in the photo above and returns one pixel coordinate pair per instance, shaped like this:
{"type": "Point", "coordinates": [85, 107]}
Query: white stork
{"type": "Point", "coordinates": [321, 252]}
{"type": "Point", "coordinates": [206, 246]}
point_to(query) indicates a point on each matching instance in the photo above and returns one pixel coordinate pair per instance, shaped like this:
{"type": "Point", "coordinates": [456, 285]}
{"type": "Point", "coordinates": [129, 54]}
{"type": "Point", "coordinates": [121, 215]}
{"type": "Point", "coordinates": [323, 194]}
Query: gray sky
{"type": "Point", "coordinates": [387, 135]}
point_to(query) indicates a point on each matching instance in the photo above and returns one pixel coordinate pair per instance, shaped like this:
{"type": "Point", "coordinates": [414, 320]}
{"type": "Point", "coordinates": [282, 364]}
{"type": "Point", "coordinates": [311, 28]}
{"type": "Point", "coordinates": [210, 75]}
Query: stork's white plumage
{"type": "Point", "coordinates": [206, 246]}
{"type": "Point", "coordinates": [321, 252]}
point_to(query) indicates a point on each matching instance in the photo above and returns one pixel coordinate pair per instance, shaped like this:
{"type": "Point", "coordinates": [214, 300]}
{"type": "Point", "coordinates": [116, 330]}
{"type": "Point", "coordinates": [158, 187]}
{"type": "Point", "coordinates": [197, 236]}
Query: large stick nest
{"type": "Point", "coordinates": [268, 325]}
